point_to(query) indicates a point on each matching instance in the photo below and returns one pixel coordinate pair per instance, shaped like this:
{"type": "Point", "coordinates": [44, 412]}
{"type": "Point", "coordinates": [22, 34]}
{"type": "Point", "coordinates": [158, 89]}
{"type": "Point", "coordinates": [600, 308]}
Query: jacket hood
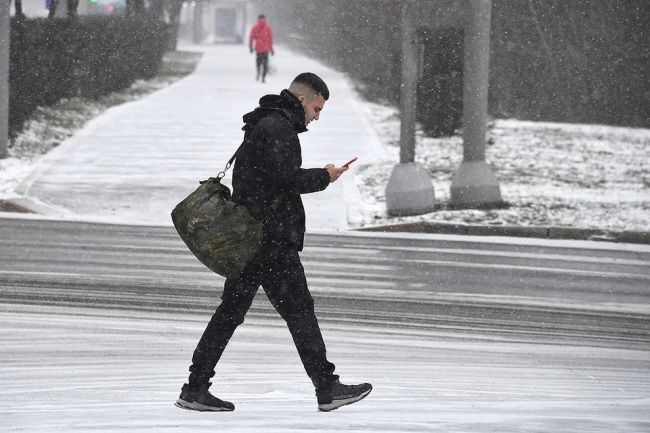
{"type": "Point", "coordinates": [286, 103]}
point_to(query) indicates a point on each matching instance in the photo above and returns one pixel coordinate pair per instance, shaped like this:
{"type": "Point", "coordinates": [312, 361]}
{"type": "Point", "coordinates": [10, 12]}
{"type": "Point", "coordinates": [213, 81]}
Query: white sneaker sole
{"type": "Point", "coordinates": [199, 407]}
{"type": "Point", "coordinates": [338, 403]}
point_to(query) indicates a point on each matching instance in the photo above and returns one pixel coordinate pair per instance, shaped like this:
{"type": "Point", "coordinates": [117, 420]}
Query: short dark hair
{"type": "Point", "coordinates": [261, 16]}
{"type": "Point", "coordinates": [314, 82]}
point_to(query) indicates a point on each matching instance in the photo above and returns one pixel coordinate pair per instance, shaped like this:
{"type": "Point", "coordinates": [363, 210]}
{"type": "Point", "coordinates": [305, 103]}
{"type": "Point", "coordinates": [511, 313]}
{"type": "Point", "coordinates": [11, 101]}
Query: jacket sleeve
{"type": "Point", "coordinates": [251, 37]}
{"type": "Point", "coordinates": [282, 161]}
{"type": "Point", "coordinates": [308, 180]}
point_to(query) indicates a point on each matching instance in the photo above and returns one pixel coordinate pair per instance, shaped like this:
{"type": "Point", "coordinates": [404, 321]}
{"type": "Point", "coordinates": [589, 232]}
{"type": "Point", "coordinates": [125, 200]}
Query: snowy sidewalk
{"type": "Point", "coordinates": [137, 160]}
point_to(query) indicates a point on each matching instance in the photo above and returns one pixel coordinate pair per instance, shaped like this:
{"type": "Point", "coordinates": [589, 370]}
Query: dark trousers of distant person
{"type": "Point", "coordinates": [279, 271]}
{"type": "Point", "coordinates": [262, 65]}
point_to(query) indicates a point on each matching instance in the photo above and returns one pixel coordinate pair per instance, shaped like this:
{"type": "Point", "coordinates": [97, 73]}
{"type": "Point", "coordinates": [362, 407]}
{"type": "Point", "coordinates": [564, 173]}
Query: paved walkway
{"type": "Point", "coordinates": [137, 160]}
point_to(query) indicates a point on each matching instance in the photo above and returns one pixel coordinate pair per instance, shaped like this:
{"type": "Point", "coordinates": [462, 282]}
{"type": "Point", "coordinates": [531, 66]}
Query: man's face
{"type": "Point", "coordinates": [312, 107]}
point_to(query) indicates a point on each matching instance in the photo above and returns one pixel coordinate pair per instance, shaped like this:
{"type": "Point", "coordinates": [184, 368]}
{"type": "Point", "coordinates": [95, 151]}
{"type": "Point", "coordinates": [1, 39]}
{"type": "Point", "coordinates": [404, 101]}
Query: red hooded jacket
{"type": "Point", "coordinates": [262, 36]}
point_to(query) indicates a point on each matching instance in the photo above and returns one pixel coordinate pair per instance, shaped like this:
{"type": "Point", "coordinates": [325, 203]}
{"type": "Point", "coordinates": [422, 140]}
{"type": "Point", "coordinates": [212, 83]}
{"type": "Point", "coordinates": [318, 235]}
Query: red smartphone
{"type": "Point", "coordinates": [347, 164]}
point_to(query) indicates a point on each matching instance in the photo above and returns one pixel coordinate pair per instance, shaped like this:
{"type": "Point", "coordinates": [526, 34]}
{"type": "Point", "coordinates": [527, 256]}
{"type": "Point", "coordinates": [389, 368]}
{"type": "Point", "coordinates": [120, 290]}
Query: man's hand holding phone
{"type": "Point", "coordinates": [336, 172]}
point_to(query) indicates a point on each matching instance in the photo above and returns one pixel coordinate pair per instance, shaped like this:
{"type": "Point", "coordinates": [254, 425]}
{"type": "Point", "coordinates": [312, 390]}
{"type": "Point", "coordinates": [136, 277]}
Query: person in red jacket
{"type": "Point", "coordinates": [261, 40]}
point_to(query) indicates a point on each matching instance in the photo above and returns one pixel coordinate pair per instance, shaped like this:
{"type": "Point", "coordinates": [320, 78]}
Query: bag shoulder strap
{"type": "Point", "coordinates": [278, 198]}
{"type": "Point", "coordinates": [222, 173]}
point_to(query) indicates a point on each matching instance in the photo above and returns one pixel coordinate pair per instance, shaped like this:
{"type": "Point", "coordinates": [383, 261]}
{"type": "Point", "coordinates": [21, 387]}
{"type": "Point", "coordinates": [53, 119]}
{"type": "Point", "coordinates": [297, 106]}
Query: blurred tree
{"type": "Point", "coordinates": [134, 7]}
{"type": "Point", "coordinates": [52, 11]}
{"type": "Point", "coordinates": [173, 9]}
{"type": "Point", "coordinates": [555, 60]}
{"type": "Point", "coordinates": [73, 6]}
{"type": "Point", "coordinates": [197, 28]}
{"type": "Point", "coordinates": [157, 9]}
{"type": "Point", "coordinates": [19, 9]}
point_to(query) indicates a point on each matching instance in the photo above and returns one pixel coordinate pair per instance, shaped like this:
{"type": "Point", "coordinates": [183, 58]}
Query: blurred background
{"type": "Point", "coordinates": [581, 61]}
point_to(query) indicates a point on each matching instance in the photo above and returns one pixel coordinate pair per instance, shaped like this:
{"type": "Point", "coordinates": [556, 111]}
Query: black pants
{"type": "Point", "coordinates": [262, 65]}
{"type": "Point", "coordinates": [282, 276]}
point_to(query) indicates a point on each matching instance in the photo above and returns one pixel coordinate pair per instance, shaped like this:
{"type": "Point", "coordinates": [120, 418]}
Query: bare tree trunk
{"type": "Point", "coordinates": [19, 9]}
{"type": "Point", "coordinates": [156, 9]}
{"type": "Point", "coordinates": [73, 6]}
{"type": "Point", "coordinates": [174, 11]}
{"type": "Point", "coordinates": [197, 28]}
{"type": "Point", "coordinates": [542, 37]}
{"type": "Point", "coordinates": [5, 30]}
{"type": "Point", "coordinates": [134, 7]}
{"type": "Point", "coordinates": [53, 5]}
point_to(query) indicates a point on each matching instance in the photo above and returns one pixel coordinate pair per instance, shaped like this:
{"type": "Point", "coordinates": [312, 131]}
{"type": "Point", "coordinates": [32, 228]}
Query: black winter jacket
{"type": "Point", "coordinates": [267, 169]}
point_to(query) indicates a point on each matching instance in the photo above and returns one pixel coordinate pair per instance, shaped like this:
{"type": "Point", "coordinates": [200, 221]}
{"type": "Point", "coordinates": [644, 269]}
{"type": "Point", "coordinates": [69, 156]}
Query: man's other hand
{"type": "Point", "coordinates": [335, 172]}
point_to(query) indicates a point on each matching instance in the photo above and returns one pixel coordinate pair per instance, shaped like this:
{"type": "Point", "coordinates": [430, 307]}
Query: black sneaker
{"type": "Point", "coordinates": [338, 395]}
{"type": "Point", "coordinates": [199, 398]}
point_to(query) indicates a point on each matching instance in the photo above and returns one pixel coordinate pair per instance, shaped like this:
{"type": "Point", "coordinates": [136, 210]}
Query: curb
{"type": "Point", "coordinates": [13, 207]}
{"type": "Point", "coordinates": [25, 205]}
{"type": "Point", "coordinates": [635, 237]}
{"type": "Point", "coordinates": [29, 205]}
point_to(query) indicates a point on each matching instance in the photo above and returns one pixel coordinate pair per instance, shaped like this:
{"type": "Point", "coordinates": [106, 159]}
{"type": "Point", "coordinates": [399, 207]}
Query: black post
{"type": "Point", "coordinates": [4, 78]}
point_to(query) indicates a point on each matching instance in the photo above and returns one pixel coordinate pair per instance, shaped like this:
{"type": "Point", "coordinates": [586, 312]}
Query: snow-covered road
{"type": "Point", "coordinates": [98, 323]}
{"type": "Point", "coordinates": [88, 370]}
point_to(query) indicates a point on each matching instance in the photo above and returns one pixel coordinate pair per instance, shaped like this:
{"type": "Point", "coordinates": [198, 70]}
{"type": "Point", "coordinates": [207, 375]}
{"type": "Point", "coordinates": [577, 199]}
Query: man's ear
{"type": "Point", "coordinates": [301, 98]}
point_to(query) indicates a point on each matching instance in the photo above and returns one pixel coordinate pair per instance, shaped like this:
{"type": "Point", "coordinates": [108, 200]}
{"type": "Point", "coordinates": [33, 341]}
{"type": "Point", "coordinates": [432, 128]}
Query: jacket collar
{"type": "Point", "coordinates": [286, 103]}
{"type": "Point", "coordinates": [295, 109]}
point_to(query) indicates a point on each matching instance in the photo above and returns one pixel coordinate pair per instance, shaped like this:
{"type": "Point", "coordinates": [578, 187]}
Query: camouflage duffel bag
{"type": "Point", "coordinates": [221, 234]}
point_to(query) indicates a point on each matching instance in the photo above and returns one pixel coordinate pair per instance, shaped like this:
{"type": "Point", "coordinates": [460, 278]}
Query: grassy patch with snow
{"type": "Point", "coordinates": [552, 174]}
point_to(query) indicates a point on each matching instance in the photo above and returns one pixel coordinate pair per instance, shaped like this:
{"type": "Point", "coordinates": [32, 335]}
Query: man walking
{"type": "Point", "coordinates": [261, 40]}
{"type": "Point", "coordinates": [268, 180]}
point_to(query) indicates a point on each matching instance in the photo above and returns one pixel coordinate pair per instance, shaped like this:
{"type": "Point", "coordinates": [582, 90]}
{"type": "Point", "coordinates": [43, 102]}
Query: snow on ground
{"type": "Point", "coordinates": [81, 370]}
{"type": "Point", "coordinates": [12, 171]}
{"type": "Point", "coordinates": [76, 369]}
{"type": "Point", "coordinates": [552, 174]}
{"type": "Point", "coordinates": [49, 126]}
{"type": "Point", "coordinates": [136, 161]}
